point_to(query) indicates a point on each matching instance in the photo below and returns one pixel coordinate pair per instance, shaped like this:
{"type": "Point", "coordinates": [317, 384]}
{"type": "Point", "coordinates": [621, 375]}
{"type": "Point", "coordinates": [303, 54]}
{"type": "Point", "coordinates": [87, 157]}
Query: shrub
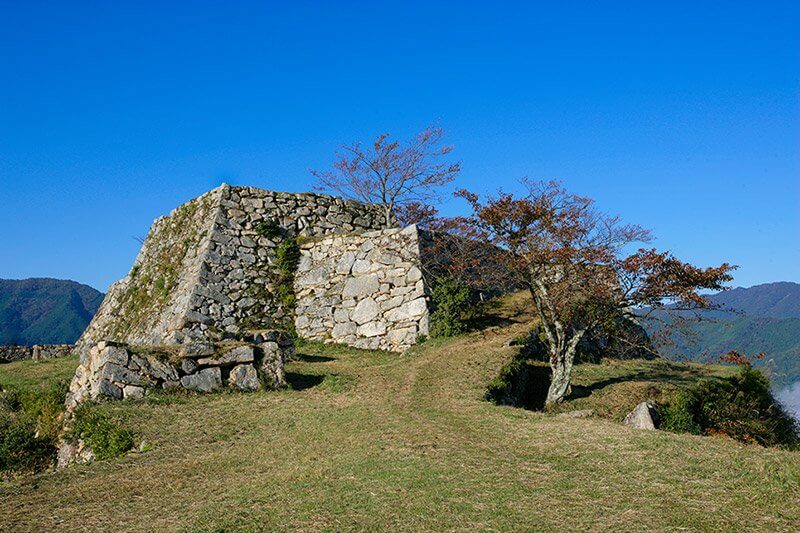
{"type": "Point", "coordinates": [103, 436]}
{"type": "Point", "coordinates": [287, 259]}
{"type": "Point", "coordinates": [677, 415]}
{"type": "Point", "coordinates": [270, 230]}
{"type": "Point", "coordinates": [30, 422]}
{"type": "Point", "coordinates": [741, 407]}
{"type": "Point", "coordinates": [21, 449]}
{"type": "Point", "coordinates": [450, 301]}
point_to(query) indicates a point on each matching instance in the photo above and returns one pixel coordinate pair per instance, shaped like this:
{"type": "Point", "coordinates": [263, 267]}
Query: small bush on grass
{"type": "Point", "coordinates": [21, 448]}
{"type": "Point", "coordinates": [451, 308]}
{"type": "Point", "coordinates": [99, 432]}
{"type": "Point", "coordinates": [741, 407]}
{"type": "Point", "coordinates": [30, 421]}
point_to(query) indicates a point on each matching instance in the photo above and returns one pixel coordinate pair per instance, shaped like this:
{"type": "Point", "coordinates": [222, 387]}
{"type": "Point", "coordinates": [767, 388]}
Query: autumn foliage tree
{"type": "Point", "coordinates": [572, 258]}
{"type": "Point", "coordinates": [396, 175]}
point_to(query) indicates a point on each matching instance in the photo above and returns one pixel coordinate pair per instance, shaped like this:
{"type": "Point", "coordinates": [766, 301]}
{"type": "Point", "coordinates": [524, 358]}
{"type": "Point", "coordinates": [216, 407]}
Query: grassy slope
{"type": "Point", "coordinates": [379, 441]}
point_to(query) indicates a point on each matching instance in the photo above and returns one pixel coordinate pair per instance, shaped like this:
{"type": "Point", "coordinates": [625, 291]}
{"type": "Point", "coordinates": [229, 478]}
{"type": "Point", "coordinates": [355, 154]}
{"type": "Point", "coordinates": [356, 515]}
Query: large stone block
{"type": "Point", "coordinates": [361, 286]}
{"type": "Point", "coordinates": [207, 380]}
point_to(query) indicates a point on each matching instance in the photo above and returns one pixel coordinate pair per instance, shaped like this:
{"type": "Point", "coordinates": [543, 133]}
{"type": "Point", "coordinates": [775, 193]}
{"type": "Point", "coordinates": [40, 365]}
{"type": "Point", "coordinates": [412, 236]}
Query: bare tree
{"type": "Point", "coordinates": [392, 174]}
{"type": "Point", "coordinates": [571, 257]}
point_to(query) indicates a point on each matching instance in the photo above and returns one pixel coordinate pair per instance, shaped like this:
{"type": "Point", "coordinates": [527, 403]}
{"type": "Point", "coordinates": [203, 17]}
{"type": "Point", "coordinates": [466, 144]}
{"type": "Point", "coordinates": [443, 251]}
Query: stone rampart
{"type": "Point", "coordinates": [365, 290]}
{"type": "Point", "coordinates": [212, 272]}
{"type": "Point", "coordinates": [206, 272]}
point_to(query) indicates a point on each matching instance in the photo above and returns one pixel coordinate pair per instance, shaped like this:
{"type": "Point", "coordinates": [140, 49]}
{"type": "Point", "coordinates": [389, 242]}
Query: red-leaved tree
{"type": "Point", "coordinates": [572, 258]}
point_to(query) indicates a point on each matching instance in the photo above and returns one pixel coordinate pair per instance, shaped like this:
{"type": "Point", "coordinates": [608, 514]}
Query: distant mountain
{"type": "Point", "coordinates": [762, 318]}
{"type": "Point", "coordinates": [45, 311]}
{"type": "Point", "coordinates": [770, 300]}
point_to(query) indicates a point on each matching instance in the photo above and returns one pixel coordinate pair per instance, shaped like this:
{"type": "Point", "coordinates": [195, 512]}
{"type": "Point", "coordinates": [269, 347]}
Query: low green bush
{"type": "Point", "coordinates": [270, 230]}
{"type": "Point", "coordinates": [30, 421]}
{"type": "Point", "coordinates": [105, 437]}
{"type": "Point", "coordinates": [21, 448]}
{"type": "Point", "coordinates": [741, 407]}
{"type": "Point", "coordinates": [451, 308]}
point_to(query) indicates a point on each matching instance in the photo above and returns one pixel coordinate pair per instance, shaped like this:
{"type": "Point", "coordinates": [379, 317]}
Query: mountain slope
{"type": "Point", "coordinates": [45, 311]}
{"type": "Point", "coordinates": [762, 318]}
{"type": "Point", "coordinates": [769, 300]}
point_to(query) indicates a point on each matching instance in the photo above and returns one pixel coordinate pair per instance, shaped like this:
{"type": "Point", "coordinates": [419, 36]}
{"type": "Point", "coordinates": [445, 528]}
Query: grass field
{"type": "Point", "coordinates": [369, 440]}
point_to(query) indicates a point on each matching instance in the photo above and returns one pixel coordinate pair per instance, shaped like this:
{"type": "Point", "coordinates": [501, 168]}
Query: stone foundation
{"type": "Point", "coordinates": [116, 370]}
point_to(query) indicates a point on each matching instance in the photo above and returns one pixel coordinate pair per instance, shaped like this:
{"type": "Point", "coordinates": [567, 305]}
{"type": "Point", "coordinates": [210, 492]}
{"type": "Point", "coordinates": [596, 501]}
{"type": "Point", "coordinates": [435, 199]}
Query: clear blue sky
{"type": "Point", "coordinates": [682, 117]}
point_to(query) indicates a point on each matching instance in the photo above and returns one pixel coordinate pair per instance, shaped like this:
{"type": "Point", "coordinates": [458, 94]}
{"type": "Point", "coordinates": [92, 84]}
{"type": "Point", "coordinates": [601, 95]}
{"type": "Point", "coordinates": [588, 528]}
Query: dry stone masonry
{"type": "Point", "coordinates": [37, 352]}
{"type": "Point", "coordinates": [363, 290]}
{"type": "Point", "coordinates": [209, 275]}
{"type": "Point", "coordinates": [117, 370]}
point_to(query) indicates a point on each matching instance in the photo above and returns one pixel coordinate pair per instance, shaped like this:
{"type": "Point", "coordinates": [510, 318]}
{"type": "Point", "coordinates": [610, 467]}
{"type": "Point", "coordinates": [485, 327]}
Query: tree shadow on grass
{"type": "Point", "coordinates": [298, 381]}
{"type": "Point", "coordinates": [314, 358]}
{"type": "Point", "coordinates": [670, 374]}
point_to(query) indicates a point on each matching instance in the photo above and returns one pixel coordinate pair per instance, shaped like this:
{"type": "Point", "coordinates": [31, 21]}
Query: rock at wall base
{"type": "Point", "coordinates": [207, 380]}
{"type": "Point", "coordinates": [244, 378]}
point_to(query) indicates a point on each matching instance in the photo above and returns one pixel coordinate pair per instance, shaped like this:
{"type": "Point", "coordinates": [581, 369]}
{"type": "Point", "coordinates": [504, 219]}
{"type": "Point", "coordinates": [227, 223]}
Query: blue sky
{"type": "Point", "coordinates": [682, 117]}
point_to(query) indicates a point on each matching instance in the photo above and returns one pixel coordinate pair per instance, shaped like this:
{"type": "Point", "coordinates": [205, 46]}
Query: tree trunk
{"type": "Point", "coordinates": [561, 360]}
{"type": "Point", "coordinates": [559, 381]}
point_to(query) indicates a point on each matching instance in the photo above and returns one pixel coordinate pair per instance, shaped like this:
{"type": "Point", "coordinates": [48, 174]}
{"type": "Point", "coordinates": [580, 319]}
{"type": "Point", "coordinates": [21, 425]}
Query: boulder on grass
{"type": "Point", "coordinates": [644, 416]}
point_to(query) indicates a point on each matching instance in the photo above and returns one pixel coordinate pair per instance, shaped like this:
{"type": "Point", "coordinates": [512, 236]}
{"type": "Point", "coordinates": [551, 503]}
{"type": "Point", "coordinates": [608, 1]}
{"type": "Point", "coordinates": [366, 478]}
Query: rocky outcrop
{"type": "Point", "coordinates": [116, 370]}
{"type": "Point", "coordinates": [363, 290]}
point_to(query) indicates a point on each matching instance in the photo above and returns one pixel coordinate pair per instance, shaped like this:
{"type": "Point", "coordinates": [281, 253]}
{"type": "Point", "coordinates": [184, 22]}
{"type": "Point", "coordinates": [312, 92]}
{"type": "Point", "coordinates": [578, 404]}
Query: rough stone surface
{"type": "Point", "coordinates": [114, 370]}
{"type": "Point", "coordinates": [37, 352]}
{"type": "Point", "coordinates": [244, 377]}
{"type": "Point", "coordinates": [206, 380]}
{"type": "Point", "coordinates": [364, 290]}
{"type": "Point", "coordinates": [644, 416]}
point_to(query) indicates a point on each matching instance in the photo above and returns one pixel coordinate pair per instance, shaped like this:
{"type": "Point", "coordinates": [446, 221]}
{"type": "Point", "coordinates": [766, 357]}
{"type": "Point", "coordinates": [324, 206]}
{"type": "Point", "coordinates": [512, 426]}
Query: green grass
{"type": "Point", "coordinates": [376, 441]}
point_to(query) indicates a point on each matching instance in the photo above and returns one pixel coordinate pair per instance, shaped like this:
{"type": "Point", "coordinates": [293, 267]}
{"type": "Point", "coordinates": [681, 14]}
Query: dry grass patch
{"type": "Point", "coordinates": [380, 441]}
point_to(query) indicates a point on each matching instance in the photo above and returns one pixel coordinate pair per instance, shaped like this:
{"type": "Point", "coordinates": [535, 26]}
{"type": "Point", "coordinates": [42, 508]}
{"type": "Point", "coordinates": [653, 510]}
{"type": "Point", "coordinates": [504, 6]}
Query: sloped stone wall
{"type": "Point", "coordinates": [364, 290]}
{"type": "Point", "coordinates": [149, 306]}
{"type": "Point", "coordinates": [205, 271]}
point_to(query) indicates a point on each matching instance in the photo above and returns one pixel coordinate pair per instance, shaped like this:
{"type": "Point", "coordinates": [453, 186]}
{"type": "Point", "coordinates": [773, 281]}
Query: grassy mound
{"type": "Point", "coordinates": [372, 440]}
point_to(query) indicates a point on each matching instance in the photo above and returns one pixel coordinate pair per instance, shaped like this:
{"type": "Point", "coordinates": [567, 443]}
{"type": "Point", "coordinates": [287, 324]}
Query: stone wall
{"type": "Point", "coordinates": [206, 271]}
{"type": "Point", "coordinates": [206, 275]}
{"type": "Point", "coordinates": [37, 352]}
{"type": "Point", "coordinates": [238, 284]}
{"type": "Point", "coordinates": [365, 290]}
{"type": "Point", "coordinates": [117, 370]}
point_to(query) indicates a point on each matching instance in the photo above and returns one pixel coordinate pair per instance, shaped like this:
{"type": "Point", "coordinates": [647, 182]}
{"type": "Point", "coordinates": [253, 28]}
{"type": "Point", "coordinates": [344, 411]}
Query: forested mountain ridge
{"type": "Point", "coordinates": [763, 318]}
{"type": "Point", "coordinates": [45, 310]}
{"type": "Point", "coordinates": [771, 300]}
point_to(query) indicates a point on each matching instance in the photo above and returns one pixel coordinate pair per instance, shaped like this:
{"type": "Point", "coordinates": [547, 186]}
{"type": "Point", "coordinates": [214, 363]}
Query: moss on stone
{"type": "Point", "coordinates": [153, 280]}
